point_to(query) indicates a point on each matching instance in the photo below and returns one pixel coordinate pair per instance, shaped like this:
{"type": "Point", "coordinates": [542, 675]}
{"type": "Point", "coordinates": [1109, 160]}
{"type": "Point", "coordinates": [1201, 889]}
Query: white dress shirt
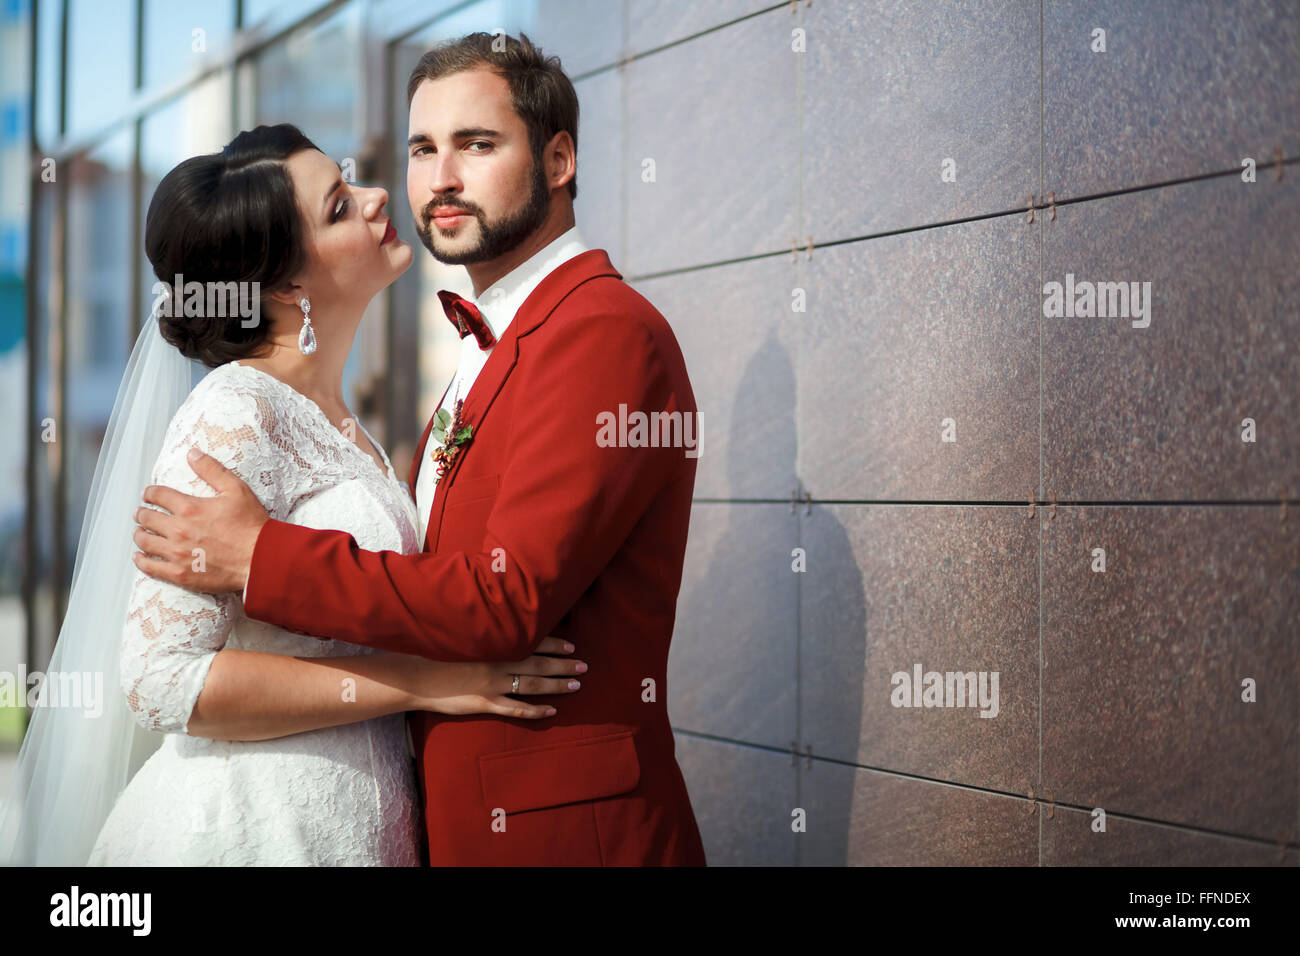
{"type": "Point", "coordinates": [498, 303]}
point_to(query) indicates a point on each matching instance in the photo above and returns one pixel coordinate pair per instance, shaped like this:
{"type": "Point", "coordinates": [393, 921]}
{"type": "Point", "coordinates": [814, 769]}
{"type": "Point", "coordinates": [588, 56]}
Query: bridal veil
{"type": "Point", "coordinates": [78, 755]}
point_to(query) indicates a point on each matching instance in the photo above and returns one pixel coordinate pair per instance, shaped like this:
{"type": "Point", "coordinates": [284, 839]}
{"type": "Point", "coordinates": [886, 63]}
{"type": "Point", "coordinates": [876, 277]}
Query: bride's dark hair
{"type": "Point", "coordinates": [227, 217]}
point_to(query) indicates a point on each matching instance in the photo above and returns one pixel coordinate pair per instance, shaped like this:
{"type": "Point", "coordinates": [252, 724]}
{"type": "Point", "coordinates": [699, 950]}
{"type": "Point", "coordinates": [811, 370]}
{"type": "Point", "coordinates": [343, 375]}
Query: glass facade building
{"type": "Point", "coordinates": [100, 99]}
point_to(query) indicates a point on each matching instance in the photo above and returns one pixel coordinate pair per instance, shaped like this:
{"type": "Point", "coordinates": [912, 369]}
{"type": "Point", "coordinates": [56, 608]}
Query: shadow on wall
{"type": "Point", "coordinates": [740, 627]}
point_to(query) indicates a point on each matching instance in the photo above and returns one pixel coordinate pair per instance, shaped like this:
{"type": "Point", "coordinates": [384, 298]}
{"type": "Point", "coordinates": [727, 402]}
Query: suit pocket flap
{"type": "Point", "coordinates": [555, 774]}
{"type": "Point", "coordinates": [462, 491]}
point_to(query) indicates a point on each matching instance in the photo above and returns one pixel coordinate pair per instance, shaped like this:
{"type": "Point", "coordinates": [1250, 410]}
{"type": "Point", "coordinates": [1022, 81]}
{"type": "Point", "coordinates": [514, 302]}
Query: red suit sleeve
{"type": "Point", "coordinates": [564, 507]}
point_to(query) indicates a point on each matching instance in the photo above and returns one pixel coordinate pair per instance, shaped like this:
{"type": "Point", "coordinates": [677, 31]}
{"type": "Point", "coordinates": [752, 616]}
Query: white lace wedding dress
{"type": "Point", "coordinates": [340, 796]}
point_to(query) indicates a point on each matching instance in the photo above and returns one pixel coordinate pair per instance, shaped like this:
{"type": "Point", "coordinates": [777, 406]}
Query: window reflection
{"type": "Point", "coordinates": [101, 61]}
{"type": "Point", "coordinates": [98, 331]}
{"type": "Point", "coordinates": [180, 35]}
{"type": "Point", "coordinates": [49, 71]}
{"type": "Point", "coordinates": [269, 14]}
{"type": "Point", "coordinates": [194, 124]}
{"type": "Point", "coordinates": [15, 145]}
{"type": "Point", "coordinates": [46, 576]}
{"type": "Point", "coordinates": [311, 80]}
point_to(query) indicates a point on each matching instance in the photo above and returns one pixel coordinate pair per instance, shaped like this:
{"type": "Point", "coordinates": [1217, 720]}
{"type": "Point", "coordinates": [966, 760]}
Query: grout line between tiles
{"type": "Point", "coordinates": [994, 792]}
{"type": "Point", "coordinates": [1039, 321]}
{"type": "Point", "coordinates": [1023, 503]}
{"type": "Point", "coordinates": [633, 57]}
{"type": "Point", "coordinates": [942, 224]}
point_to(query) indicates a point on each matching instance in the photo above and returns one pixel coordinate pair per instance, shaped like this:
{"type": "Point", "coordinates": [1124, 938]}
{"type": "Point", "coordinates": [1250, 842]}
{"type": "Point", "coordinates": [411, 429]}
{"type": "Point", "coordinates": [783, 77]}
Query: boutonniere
{"type": "Point", "coordinates": [452, 435]}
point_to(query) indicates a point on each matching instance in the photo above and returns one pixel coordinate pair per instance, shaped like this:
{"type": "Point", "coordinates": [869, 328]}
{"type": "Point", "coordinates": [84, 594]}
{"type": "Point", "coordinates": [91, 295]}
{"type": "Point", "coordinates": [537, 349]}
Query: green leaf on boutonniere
{"type": "Point", "coordinates": [452, 437]}
{"type": "Point", "coordinates": [440, 423]}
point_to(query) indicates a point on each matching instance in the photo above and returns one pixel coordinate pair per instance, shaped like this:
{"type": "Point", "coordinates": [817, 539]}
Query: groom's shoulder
{"type": "Point", "coordinates": [622, 313]}
{"type": "Point", "coordinates": [608, 293]}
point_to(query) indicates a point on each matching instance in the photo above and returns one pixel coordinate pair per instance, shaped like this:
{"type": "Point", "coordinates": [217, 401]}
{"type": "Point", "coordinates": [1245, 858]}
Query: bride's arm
{"type": "Point", "coordinates": [249, 695]}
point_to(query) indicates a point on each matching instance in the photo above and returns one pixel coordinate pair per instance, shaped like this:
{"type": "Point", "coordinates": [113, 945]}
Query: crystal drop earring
{"type": "Point", "coordinates": [306, 338]}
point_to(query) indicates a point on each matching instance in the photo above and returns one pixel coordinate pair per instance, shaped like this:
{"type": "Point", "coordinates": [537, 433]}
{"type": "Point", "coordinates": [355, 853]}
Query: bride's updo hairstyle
{"type": "Point", "coordinates": [227, 217]}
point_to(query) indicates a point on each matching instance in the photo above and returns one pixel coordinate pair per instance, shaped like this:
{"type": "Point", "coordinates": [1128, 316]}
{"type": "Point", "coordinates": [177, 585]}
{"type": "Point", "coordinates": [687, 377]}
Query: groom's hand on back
{"type": "Point", "coordinates": [200, 544]}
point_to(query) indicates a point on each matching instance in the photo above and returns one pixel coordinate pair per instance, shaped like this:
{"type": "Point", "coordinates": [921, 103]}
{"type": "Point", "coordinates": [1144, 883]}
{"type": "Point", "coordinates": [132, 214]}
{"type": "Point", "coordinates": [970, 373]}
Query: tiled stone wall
{"type": "Point", "coordinates": [828, 373]}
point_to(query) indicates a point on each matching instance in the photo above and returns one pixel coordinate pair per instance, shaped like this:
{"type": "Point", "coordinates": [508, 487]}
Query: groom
{"type": "Point", "coordinates": [535, 520]}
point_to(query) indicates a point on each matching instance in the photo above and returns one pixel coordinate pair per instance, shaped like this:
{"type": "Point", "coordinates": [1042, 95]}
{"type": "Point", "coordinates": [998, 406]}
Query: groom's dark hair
{"type": "Point", "coordinates": [542, 93]}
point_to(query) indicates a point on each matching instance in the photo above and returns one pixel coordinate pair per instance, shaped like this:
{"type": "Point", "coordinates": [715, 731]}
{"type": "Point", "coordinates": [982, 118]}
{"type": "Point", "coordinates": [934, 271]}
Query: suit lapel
{"type": "Point", "coordinates": [535, 310]}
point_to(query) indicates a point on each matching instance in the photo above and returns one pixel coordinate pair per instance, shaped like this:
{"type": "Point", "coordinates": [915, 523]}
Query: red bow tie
{"type": "Point", "coordinates": [465, 315]}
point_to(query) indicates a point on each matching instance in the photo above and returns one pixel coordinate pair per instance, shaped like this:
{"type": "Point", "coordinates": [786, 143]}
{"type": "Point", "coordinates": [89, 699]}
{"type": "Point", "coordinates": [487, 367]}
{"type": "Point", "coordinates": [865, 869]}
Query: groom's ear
{"type": "Point", "coordinates": [561, 160]}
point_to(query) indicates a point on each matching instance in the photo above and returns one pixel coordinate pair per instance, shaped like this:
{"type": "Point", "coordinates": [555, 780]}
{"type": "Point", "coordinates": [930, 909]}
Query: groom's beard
{"type": "Point", "coordinates": [495, 239]}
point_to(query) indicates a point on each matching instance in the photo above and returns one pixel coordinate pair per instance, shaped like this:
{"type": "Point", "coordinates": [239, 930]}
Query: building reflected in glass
{"type": "Point", "coordinates": [100, 99]}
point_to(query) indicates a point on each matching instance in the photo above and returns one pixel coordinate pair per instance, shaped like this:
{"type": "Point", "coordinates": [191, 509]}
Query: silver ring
{"type": "Point", "coordinates": [514, 688]}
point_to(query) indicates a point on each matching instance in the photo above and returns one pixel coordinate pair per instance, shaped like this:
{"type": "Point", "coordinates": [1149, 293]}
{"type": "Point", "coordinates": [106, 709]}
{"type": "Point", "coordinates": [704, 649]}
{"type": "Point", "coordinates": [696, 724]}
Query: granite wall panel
{"type": "Point", "coordinates": [867, 818]}
{"type": "Point", "coordinates": [916, 113]}
{"type": "Point", "coordinates": [827, 371]}
{"type": "Point", "coordinates": [744, 801]}
{"type": "Point", "coordinates": [732, 667]}
{"type": "Point", "coordinates": [1154, 403]}
{"type": "Point", "coordinates": [1170, 677]}
{"type": "Point", "coordinates": [738, 335]}
{"type": "Point", "coordinates": [1182, 88]}
{"type": "Point", "coordinates": [717, 183]}
{"type": "Point", "coordinates": [918, 366]}
{"type": "Point", "coordinates": [890, 590]}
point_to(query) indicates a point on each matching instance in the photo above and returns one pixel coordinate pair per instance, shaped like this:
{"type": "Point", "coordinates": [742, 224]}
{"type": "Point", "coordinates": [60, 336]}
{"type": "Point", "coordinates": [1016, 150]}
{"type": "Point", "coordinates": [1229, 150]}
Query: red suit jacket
{"type": "Point", "coordinates": [537, 529]}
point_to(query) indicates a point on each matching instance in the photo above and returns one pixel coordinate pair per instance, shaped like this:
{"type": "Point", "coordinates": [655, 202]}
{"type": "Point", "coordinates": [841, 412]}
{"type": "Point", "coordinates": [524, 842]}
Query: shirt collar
{"type": "Point", "coordinates": [501, 300]}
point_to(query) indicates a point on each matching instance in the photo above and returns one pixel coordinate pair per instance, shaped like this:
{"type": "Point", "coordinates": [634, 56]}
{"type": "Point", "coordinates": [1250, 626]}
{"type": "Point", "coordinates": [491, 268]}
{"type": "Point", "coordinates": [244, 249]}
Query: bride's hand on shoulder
{"type": "Point", "coordinates": [482, 687]}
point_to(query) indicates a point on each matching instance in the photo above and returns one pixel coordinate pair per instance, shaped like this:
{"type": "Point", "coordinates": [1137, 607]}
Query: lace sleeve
{"type": "Point", "coordinates": [172, 635]}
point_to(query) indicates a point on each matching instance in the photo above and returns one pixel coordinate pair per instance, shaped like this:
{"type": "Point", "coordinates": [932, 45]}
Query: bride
{"type": "Point", "coordinates": [234, 742]}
